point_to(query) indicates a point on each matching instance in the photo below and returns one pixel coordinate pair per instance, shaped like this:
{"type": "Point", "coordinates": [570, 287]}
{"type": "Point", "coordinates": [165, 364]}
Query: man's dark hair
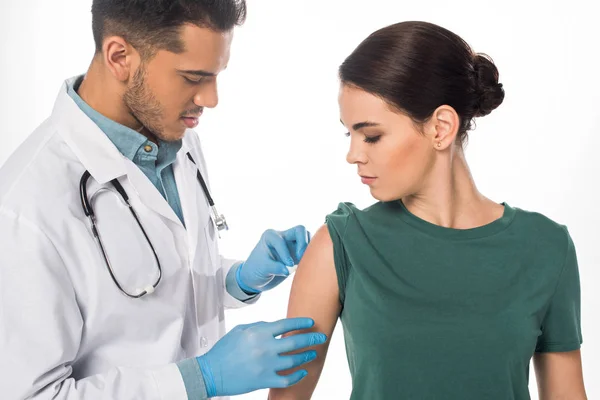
{"type": "Point", "coordinates": [152, 25]}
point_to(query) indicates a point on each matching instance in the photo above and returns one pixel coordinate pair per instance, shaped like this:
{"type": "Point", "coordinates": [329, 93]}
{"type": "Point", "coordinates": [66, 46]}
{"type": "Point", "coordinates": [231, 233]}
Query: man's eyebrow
{"type": "Point", "coordinates": [198, 72]}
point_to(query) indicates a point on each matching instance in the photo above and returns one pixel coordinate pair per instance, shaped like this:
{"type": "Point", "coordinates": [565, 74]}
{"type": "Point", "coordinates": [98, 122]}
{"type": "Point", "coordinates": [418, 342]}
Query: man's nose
{"type": "Point", "coordinates": [207, 96]}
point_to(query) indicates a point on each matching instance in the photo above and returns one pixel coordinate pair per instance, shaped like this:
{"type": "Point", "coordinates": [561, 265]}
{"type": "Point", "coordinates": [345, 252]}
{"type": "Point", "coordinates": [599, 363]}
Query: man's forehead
{"type": "Point", "coordinates": [205, 49]}
{"type": "Point", "coordinates": [194, 36]}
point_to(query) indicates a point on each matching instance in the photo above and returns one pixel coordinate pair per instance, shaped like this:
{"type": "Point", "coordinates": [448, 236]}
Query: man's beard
{"type": "Point", "coordinates": [143, 105]}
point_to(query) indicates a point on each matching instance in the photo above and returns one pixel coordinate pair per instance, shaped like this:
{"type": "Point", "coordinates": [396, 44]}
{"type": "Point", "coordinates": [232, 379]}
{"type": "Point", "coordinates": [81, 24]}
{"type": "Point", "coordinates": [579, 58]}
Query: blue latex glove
{"type": "Point", "coordinates": [248, 357]}
{"type": "Point", "coordinates": [266, 267]}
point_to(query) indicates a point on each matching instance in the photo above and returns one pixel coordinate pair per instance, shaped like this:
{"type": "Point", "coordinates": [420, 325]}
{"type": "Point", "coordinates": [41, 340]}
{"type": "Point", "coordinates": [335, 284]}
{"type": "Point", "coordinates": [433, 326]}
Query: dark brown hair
{"type": "Point", "coordinates": [151, 25]}
{"type": "Point", "coordinates": [418, 66]}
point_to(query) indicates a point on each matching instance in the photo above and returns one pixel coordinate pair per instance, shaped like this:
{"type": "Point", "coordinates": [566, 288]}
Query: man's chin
{"type": "Point", "coordinates": [172, 135]}
{"type": "Point", "coordinates": [178, 135]}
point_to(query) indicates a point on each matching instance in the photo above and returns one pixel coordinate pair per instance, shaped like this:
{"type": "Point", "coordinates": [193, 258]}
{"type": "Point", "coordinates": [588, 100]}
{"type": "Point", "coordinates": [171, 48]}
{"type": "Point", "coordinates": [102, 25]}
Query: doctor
{"type": "Point", "coordinates": [111, 282]}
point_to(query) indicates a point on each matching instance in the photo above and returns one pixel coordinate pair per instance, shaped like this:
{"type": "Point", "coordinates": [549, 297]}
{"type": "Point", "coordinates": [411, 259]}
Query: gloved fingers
{"type": "Point", "coordinates": [289, 380]}
{"type": "Point", "coordinates": [300, 237]}
{"type": "Point", "coordinates": [263, 275]}
{"type": "Point", "coordinates": [275, 268]}
{"type": "Point", "coordinates": [278, 247]}
{"type": "Point", "coordinates": [286, 325]}
{"type": "Point", "coordinates": [291, 245]}
{"type": "Point", "coordinates": [300, 341]}
{"type": "Point", "coordinates": [297, 233]}
{"type": "Point", "coordinates": [295, 360]}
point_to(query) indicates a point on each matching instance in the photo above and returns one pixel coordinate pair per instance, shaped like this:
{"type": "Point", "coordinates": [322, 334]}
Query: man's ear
{"type": "Point", "coordinates": [120, 58]}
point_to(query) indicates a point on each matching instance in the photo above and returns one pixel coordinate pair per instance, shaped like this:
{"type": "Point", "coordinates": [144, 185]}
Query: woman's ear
{"type": "Point", "coordinates": [443, 127]}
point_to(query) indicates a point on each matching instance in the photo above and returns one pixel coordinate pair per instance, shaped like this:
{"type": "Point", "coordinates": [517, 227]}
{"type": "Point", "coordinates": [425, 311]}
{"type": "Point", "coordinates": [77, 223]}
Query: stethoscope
{"type": "Point", "coordinates": [218, 219]}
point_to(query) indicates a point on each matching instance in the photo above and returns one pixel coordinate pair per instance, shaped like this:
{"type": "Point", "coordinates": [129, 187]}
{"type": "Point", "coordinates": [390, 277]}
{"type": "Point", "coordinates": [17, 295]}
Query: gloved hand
{"type": "Point", "coordinates": [267, 265]}
{"type": "Point", "coordinates": [248, 357]}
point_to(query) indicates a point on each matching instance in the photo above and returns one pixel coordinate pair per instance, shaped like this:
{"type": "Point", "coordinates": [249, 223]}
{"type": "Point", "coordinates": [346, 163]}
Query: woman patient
{"type": "Point", "coordinates": [442, 292]}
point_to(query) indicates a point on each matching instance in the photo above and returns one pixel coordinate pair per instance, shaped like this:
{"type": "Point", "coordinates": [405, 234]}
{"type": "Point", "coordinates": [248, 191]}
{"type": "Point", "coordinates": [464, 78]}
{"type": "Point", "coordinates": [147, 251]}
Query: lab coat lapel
{"type": "Point", "coordinates": [188, 186]}
{"type": "Point", "coordinates": [148, 194]}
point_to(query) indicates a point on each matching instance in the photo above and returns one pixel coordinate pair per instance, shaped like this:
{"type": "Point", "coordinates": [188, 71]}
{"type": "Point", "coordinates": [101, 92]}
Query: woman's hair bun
{"type": "Point", "coordinates": [488, 90]}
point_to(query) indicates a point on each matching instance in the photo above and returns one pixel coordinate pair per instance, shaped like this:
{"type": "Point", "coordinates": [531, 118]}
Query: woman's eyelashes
{"type": "Point", "coordinates": [372, 139]}
{"type": "Point", "coordinates": [368, 139]}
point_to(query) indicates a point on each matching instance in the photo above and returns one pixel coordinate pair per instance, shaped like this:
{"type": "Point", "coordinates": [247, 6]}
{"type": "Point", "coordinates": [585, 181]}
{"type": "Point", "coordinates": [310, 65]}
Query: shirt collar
{"type": "Point", "coordinates": [126, 140]}
{"type": "Point", "coordinates": [90, 145]}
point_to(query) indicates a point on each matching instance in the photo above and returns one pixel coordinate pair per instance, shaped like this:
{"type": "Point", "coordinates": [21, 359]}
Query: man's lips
{"type": "Point", "coordinates": [195, 116]}
{"type": "Point", "coordinates": [190, 122]}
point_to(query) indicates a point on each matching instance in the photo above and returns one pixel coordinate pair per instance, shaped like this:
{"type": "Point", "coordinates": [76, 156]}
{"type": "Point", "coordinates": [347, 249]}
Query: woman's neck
{"type": "Point", "coordinates": [450, 197]}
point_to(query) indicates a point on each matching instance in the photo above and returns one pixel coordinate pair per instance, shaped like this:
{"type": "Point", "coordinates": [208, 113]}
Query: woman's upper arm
{"type": "Point", "coordinates": [559, 375]}
{"type": "Point", "coordinates": [557, 359]}
{"type": "Point", "coordinates": [314, 294]}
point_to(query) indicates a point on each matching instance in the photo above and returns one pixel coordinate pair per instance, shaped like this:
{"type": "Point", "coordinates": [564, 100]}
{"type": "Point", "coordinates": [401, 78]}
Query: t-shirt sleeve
{"type": "Point", "coordinates": [337, 223]}
{"type": "Point", "coordinates": [561, 326]}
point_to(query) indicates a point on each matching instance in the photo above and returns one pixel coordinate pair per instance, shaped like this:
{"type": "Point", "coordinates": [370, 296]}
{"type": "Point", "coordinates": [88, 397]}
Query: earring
{"type": "Point", "coordinates": [439, 144]}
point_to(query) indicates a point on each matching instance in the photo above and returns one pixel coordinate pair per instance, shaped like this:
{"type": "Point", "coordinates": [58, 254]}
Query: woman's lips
{"type": "Point", "coordinates": [367, 180]}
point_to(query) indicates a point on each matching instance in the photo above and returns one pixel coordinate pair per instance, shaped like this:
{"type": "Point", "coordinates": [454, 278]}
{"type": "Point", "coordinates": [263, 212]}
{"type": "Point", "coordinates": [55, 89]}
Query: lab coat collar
{"type": "Point", "coordinates": [91, 146]}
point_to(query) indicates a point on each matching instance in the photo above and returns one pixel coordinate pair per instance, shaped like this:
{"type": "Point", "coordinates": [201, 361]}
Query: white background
{"type": "Point", "coordinates": [275, 146]}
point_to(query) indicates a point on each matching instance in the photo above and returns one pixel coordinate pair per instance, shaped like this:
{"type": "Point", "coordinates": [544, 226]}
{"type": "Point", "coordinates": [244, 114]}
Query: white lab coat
{"type": "Point", "coordinates": [66, 331]}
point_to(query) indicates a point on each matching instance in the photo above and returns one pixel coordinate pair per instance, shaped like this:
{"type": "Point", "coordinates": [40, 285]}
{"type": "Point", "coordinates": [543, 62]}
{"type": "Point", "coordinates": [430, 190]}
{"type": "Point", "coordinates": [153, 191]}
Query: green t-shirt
{"type": "Point", "coordinates": [430, 312]}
